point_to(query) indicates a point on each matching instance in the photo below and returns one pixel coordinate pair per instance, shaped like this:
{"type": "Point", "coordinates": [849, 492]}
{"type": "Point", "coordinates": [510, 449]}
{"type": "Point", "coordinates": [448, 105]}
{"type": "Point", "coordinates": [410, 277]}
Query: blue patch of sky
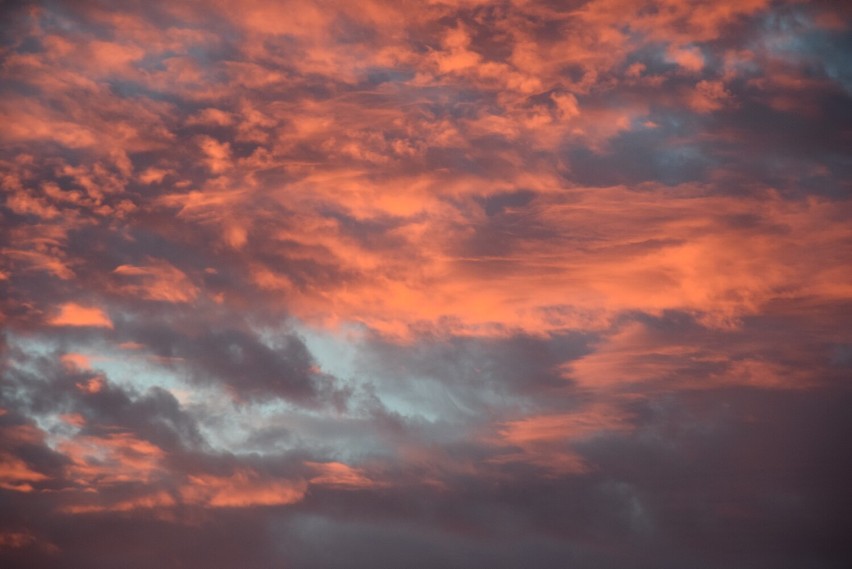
{"type": "Point", "coordinates": [793, 35]}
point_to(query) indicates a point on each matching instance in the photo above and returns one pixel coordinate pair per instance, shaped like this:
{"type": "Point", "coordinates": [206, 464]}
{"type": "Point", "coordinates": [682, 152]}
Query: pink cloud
{"type": "Point", "coordinates": [243, 489]}
{"type": "Point", "coordinates": [73, 314]}
{"type": "Point", "coordinates": [114, 458]}
{"type": "Point", "coordinates": [339, 475]}
{"type": "Point", "coordinates": [156, 280]}
{"type": "Point", "coordinates": [540, 440]}
{"type": "Point", "coordinates": [76, 361]}
{"type": "Point", "coordinates": [16, 475]}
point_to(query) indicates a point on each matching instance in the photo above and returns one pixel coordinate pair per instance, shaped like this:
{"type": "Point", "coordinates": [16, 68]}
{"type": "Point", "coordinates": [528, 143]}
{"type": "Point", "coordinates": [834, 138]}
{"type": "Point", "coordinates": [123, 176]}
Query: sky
{"type": "Point", "coordinates": [434, 283]}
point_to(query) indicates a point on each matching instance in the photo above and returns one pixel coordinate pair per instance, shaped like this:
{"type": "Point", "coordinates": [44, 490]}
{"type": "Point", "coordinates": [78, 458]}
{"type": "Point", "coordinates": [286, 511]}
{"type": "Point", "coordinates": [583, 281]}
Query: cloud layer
{"type": "Point", "coordinates": [451, 283]}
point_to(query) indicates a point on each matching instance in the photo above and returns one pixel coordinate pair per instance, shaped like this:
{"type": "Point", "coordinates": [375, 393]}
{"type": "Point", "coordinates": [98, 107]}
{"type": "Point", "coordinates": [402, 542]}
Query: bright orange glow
{"type": "Point", "coordinates": [72, 314]}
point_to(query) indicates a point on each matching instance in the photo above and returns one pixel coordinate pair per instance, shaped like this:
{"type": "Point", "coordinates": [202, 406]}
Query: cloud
{"type": "Point", "coordinates": [338, 475]}
{"type": "Point", "coordinates": [457, 283]}
{"type": "Point", "coordinates": [157, 280]}
{"type": "Point", "coordinates": [73, 314]}
{"type": "Point", "coordinates": [243, 489]}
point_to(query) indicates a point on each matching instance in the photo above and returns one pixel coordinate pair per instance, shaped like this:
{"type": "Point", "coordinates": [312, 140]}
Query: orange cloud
{"type": "Point", "coordinates": [16, 475]}
{"type": "Point", "coordinates": [73, 314]}
{"type": "Point", "coordinates": [671, 249]}
{"type": "Point", "coordinates": [637, 359]}
{"type": "Point", "coordinates": [76, 361]}
{"type": "Point", "coordinates": [111, 459]}
{"type": "Point", "coordinates": [542, 440]}
{"type": "Point", "coordinates": [709, 96]}
{"type": "Point", "coordinates": [156, 280]}
{"type": "Point", "coordinates": [338, 475]}
{"type": "Point", "coordinates": [243, 489]}
{"type": "Point", "coordinates": [689, 58]}
{"type": "Point", "coordinates": [159, 502]}
{"type": "Point", "coordinates": [36, 260]}
{"type": "Point", "coordinates": [93, 385]}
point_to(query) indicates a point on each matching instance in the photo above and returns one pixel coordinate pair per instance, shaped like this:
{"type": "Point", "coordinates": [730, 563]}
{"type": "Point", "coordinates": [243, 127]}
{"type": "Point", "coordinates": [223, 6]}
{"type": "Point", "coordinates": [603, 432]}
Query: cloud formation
{"type": "Point", "coordinates": [447, 283]}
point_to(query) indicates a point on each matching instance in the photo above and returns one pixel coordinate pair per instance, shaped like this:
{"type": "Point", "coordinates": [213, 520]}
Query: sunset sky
{"type": "Point", "coordinates": [426, 284]}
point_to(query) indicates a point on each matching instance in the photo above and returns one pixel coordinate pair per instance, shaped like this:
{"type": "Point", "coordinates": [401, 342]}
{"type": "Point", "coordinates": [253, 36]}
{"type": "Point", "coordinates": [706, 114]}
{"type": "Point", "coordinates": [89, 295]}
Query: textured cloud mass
{"type": "Point", "coordinates": [450, 283]}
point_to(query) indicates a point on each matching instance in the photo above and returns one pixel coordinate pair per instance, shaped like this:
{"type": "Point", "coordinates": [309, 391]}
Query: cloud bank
{"type": "Point", "coordinates": [425, 284]}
